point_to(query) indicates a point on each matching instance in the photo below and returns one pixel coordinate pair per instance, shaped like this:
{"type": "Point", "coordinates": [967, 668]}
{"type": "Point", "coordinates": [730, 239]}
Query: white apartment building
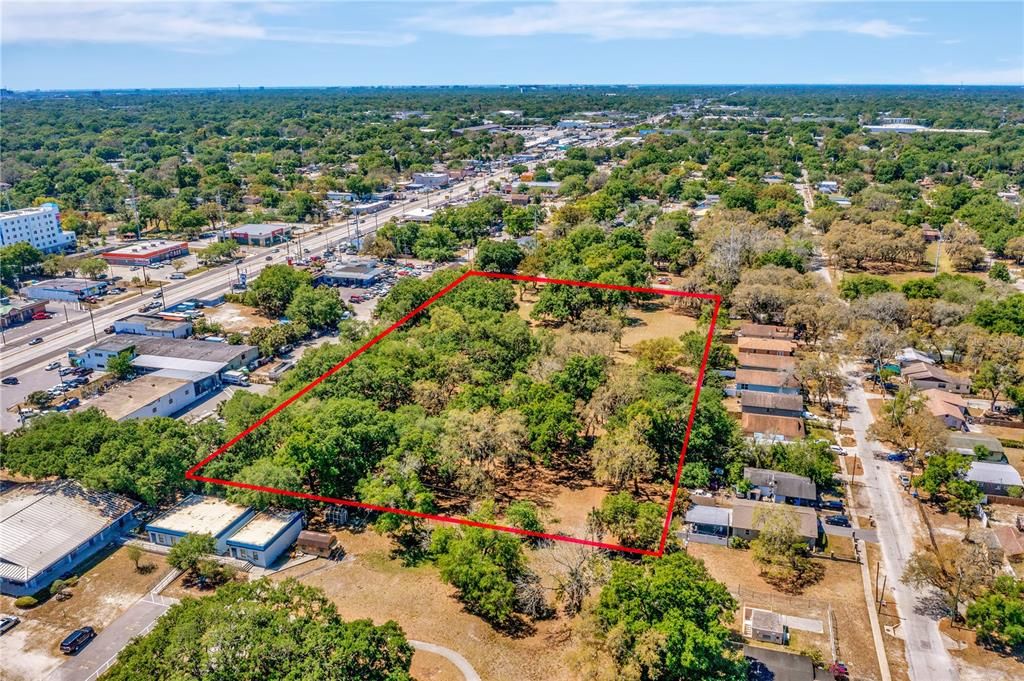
{"type": "Point", "coordinates": [38, 226]}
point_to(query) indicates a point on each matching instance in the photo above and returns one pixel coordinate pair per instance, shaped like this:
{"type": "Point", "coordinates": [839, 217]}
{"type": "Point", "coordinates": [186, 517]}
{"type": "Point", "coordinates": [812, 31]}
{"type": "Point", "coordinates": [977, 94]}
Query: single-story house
{"type": "Point", "coordinates": [994, 478]}
{"type": "Point", "coordinates": [773, 428]}
{"type": "Point", "coordinates": [949, 408]}
{"type": "Point", "coordinates": [930, 234]}
{"type": "Point", "coordinates": [316, 543]}
{"type": "Point", "coordinates": [748, 517]}
{"type": "Point", "coordinates": [780, 487]}
{"type": "Point", "coordinates": [199, 514]}
{"type": "Point", "coordinates": [753, 330]}
{"type": "Point", "coordinates": [772, 404]}
{"type": "Point", "coordinates": [709, 520]}
{"type": "Point", "coordinates": [967, 444]}
{"type": "Point", "coordinates": [923, 376]}
{"type": "Point", "coordinates": [767, 626]}
{"type": "Point", "coordinates": [750, 360]}
{"type": "Point", "coordinates": [766, 346]}
{"type": "Point", "coordinates": [767, 381]}
{"type": "Point", "coordinates": [48, 528]}
{"type": "Point", "coordinates": [267, 535]}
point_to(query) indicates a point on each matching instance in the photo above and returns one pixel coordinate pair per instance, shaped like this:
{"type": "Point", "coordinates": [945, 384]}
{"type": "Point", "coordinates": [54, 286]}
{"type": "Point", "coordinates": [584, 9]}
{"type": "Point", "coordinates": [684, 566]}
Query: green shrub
{"type": "Point", "coordinates": [738, 543]}
{"type": "Point", "coordinates": [26, 602]}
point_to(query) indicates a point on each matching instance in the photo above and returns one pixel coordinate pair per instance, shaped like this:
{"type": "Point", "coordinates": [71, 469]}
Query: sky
{"type": "Point", "coordinates": [217, 43]}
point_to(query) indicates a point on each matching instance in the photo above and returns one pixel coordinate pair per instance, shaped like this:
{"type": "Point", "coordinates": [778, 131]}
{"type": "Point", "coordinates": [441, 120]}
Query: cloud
{"type": "Point", "coordinates": [192, 26]}
{"type": "Point", "coordinates": [641, 20]}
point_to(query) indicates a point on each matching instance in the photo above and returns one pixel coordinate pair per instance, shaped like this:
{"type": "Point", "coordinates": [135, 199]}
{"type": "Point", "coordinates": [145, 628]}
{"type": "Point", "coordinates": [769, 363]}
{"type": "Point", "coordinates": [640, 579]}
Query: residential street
{"type": "Point", "coordinates": [897, 525]}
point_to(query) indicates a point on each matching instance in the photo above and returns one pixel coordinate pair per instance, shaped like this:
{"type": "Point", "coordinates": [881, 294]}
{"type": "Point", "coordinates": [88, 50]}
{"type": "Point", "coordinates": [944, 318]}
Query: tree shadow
{"type": "Point", "coordinates": [933, 606]}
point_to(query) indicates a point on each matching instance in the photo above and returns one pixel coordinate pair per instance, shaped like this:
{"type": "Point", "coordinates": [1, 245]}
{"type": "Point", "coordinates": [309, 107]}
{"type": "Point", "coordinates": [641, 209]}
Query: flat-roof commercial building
{"type": "Point", "coordinates": [64, 289]}
{"type": "Point", "coordinates": [153, 325]}
{"type": "Point", "coordinates": [419, 215]}
{"type": "Point", "coordinates": [200, 515]}
{"type": "Point", "coordinates": [351, 274]}
{"type": "Point", "coordinates": [260, 235]}
{"type": "Point", "coordinates": [431, 180]}
{"type": "Point", "coordinates": [47, 528]}
{"type": "Point", "coordinates": [38, 227]}
{"type": "Point", "coordinates": [14, 312]}
{"type": "Point", "coordinates": [371, 207]}
{"type": "Point", "coordinates": [146, 252]}
{"type": "Point", "coordinates": [267, 535]}
{"type": "Point", "coordinates": [152, 354]}
{"type": "Point", "coordinates": [161, 393]}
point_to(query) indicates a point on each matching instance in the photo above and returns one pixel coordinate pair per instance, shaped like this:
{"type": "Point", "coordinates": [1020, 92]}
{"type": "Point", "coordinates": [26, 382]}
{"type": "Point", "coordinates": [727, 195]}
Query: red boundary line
{"type": "Point", "coordinates": [190, 474]}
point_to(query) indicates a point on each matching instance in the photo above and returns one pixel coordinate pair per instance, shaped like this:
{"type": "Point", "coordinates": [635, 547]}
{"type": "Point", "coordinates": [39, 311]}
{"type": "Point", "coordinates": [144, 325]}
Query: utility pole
{"type": "Point", "coordinates": [93, 323]}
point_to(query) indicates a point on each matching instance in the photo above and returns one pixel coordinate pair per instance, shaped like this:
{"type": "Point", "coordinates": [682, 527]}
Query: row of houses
{"type": "Point", "coordinates": [771, 405]}
{"type": "Point", "coordinates": [745, 518]}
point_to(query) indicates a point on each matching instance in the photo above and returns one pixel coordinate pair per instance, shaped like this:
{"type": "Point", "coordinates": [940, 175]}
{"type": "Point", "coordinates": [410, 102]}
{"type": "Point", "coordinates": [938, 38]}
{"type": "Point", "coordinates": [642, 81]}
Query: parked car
{"type": "Point", "coordinates": [53, 365]}
{"type": "Point", "coordinates": [41, 315]}
{"type": "Point", "coordinates": [77, 640]}
{"type": "Point", "coordinates": [836, 449]}
{"type": "Point", "coordinates": [899, 456]}
{"type": "Point", "coordinates": [904, 479]}
{"type": "Point", "coordinates": [35, 341]}
{"type": "Point", "coordinates": [837, 520]}
{"type": "Point", "coordinates": [833, 505]}
{"type": "Point", "coordinates": [9, 380]}
{"type": "Point", "coordinates": [8, 622]}
{"type": "Point", "coordinates": [84, 371]}
{"type": "Point", "coordinates": [64, 371]}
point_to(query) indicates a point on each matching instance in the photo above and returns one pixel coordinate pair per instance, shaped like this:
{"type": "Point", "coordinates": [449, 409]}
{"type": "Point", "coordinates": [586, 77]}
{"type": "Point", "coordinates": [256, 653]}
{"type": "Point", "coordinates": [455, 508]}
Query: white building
{"type": "Point", "coordinates": [419, 215]}
{"type": "Point", "coordinates": [200, 515]}
{"type": "Point", "coordinates": [38, 226]}
{"type": "Point", "coordinates": [431, 180]}
{"type": "Point", "coordinates": [161, 393]}
{"type": "Point", "coordinates": [263, 539]}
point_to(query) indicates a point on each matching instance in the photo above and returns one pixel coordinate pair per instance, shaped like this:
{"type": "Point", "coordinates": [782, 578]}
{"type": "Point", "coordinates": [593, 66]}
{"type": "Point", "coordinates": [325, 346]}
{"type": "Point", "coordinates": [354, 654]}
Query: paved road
{"type": "Point", "coordinates": [897, 525]}
{"type": "Point", "coordinates": [109, 642]}
{"type": "Point", "coordinates": [458, 660]}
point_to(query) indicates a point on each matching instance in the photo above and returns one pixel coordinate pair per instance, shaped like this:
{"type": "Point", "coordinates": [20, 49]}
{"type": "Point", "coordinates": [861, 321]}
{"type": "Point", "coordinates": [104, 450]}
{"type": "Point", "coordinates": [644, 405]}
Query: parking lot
{"type": "Point", "coordinates": [60, 387]}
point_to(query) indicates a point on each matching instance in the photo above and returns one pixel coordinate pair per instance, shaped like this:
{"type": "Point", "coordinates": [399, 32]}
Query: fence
{"type": "Point", "coordinates": [1000, 499]}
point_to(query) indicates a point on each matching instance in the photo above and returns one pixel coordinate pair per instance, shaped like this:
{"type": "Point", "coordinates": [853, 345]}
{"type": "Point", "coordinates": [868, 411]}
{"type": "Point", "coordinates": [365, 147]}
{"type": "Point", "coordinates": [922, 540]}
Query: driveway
{"type": "Point", "coordinates": [897, 526]}
{"type": "Point", "coordinates": [861, 533]}
{"type": "Point", "coordinates": [101, 652]}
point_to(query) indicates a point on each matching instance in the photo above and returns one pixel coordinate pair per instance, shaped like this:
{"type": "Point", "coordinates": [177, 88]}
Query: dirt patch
{"type": "Point", "coordinates": [432, 667]}
{"type": "Point", "coordinates": [236, 318]}
{"type": "Point", "coordinates": [369, 583]}
{"type": "Point", "coordinates": [895, 649]}
{"type": "Point", "coordinates": [977, 663]}
{"type": "Point", "coordinates": [107, 587]}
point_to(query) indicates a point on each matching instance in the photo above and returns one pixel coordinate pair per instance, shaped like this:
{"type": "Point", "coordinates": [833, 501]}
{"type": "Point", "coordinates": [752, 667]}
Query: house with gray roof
{"type": "Point", "coordinates": [994, 478]}
{"type": "Point", "coordinates": [779, 487]}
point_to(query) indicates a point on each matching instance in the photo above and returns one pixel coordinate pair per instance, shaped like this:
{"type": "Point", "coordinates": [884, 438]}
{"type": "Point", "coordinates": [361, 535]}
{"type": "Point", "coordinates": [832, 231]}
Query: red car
{"type": "Point", "coordinates": [41, 315]}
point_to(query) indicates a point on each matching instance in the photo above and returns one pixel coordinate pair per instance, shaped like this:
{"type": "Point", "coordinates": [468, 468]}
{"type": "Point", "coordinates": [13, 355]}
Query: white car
{"type": "Point", "coordinates": [836, 449]}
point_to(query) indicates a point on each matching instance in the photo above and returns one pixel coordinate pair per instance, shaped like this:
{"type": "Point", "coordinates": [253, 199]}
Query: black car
{"type": "Point", "coordinates": [838, 521]}
{"type": "Point", "coordinates": [9, 380]}
{"type": "Point", "coordinates": [77, 640]}
{"type": "Point", "coordinates": [832, 505]}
